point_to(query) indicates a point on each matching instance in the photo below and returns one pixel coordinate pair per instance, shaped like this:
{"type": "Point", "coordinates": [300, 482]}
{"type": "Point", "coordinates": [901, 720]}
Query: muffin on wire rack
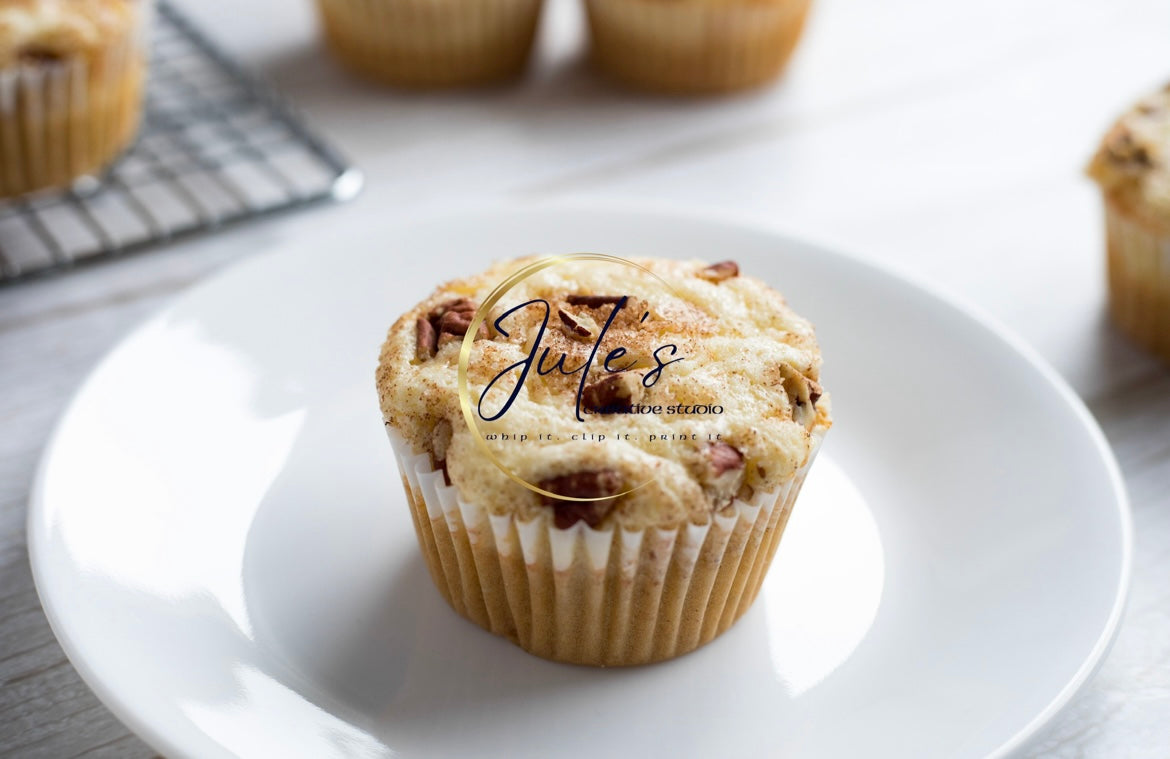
{"type": "Point", "coordinates": [71, 82]}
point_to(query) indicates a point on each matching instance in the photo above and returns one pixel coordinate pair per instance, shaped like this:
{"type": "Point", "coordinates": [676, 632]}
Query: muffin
{"type": "Point", "coordinates": [694, 46]}
{"type": "Point", "coordinates": [431, 43]}
{"type": "Point", "coordinates": [71, 78]}
{"type": "Point", "coordinates": [620, 501]}
{"type": "Point", "coordinates": [1132, 168]}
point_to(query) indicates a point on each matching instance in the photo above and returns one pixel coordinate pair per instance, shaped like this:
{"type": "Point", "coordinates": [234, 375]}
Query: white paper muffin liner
{"type": "Point", "coordinates": [1139, 280]}
{"type": "Point", "coordinates": [431, 43]}
{"type": "Point", "coordinates": [60, 120]}
{"type": "Point", "coordinates": [609, 597]}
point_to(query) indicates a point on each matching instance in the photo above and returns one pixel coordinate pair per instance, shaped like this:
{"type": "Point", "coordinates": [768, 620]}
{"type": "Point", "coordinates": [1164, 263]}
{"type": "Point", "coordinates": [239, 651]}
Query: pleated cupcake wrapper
{"type": "Point", "coordinates": [432, 43]}
{"type": "Point", "coordinates": [610, 597]}
{"type": "Point", "coordinates": [1139, 280]}
{"type": "Point", "coordinates": [65, 119]}
{"type": "Point", "coordinates": [680, 47]}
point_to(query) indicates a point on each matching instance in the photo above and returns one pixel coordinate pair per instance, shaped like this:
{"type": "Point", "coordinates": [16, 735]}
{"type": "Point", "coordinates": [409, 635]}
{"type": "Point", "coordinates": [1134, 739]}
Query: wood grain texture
{"type": "Point", "coordinates": [945, 138]}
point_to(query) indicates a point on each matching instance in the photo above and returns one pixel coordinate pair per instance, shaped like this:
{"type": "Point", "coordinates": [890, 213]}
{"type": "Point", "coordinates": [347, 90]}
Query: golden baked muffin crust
{"type": "Point", "coordinates": [1133, 163]}
{"type": "Point", "coordinates": [711, 339]}
{"type": "Point", "coordinates": [36, 30]}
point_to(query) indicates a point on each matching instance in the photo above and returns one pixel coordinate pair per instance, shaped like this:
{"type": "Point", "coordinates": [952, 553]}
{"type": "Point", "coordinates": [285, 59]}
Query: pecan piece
{"type": "Point", "coordinates": [577, 326]}
{"type": "Point", "coordinates": [604, 484]}
{"type": "Point", "coordinates": [456, 322]}
{"type": "Point", "coordinates": [448, 321]}
{"type": "Point", "coordinates": [440, 443]}
{"type": "Point", "coordinates": [718, 272]}
{"type": "Point", "coordinates": [815, 391]}
{"type": "Point", "coordinates": [722, 473]}
{"type": "Point", "coordinates": [1126, 152]}
{"type": "Point", "coordinates": [620, 389]}
{"type": "Point", "coordinates": [803, 393]}
{"type": "Point", "coordinates": [723, 458]}
{"type": "Point", "coordinates": [455, 304]}
{"type": "Point", "coordinates": [592, 301]}
{"type": "Point", "coordinates": [426, 342]}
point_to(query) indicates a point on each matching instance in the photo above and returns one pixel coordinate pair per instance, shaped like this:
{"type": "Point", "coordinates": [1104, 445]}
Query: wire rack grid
{"type": "Point", "coordinates": [216, 147]}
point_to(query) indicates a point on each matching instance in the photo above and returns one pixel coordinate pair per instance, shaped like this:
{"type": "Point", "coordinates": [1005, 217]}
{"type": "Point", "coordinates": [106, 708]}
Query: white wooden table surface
{"type": "Point", "coordinates": [944, 137]}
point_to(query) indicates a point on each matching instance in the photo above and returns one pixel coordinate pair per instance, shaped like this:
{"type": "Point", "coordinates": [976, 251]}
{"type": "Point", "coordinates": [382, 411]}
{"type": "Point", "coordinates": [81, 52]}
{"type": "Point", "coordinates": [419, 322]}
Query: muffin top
{"type": "Point", "coordinates": [1133, 163]}
{"type": "Point", "coordinates": [38, 31]}
{"type": "Point", "coordinates": [662, 397]}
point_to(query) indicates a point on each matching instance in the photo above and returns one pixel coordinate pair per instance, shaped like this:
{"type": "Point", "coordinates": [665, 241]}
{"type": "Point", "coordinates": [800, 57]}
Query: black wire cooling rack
{"type": "Point", "coordinates": [216, 147]}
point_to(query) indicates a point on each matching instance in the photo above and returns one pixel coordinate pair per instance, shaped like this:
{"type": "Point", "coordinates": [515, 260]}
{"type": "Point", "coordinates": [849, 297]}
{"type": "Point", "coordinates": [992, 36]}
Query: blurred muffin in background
{"type": "Point", "coordinates": [71, 77]}
{"type": "Point", "coordinates": [694, 46]}
{"type": "Point", "coordinates": [432, 43]}
{"type": "Point", "coordinates": [1132, 167]}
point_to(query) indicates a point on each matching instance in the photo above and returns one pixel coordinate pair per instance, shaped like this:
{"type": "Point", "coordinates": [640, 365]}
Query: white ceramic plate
{"type": "Point", "coordinates": [222, 547]}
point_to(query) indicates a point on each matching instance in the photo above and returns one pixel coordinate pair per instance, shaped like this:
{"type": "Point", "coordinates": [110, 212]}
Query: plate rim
{"type": "Point", "coordinates": [37, 534]}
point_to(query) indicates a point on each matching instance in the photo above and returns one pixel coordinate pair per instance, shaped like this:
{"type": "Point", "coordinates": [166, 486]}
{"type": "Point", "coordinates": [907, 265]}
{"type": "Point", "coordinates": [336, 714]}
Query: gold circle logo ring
{"type": "Point", "coordinates": [469, 339]}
